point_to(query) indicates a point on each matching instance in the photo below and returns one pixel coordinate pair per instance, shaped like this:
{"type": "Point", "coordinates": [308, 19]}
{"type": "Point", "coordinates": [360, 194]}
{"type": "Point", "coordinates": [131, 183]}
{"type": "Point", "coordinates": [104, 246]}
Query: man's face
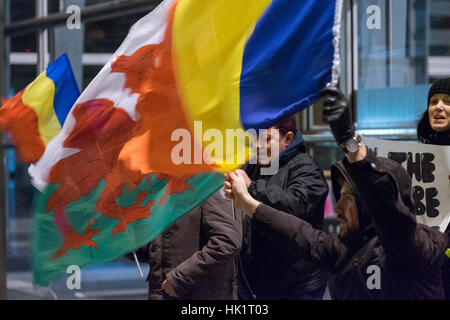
{"type": "Point", "coordinates": [439, 112]}
{"type": "Point", "coordinates": [347, 212]}
{"type": "Point", "coordinates": [271, 143]}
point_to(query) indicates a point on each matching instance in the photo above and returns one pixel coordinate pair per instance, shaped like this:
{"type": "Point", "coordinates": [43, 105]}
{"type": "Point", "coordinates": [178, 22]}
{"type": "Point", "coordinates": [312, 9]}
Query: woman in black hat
{"type": "Point", "coordinates": [434, 128]}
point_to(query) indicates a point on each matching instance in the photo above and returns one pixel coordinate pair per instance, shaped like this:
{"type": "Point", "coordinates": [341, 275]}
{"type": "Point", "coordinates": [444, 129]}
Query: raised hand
{"type": "Point", "coordinates": [336, 113]}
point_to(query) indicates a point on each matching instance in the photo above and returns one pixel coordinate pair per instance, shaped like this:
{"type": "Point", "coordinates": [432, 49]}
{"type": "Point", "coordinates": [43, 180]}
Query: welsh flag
{"type": "Point", "coordinates": [129, 160]}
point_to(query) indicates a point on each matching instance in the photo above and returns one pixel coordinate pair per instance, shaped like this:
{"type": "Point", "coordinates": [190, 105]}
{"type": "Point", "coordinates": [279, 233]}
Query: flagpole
{"type": "Point", "coordinates": [234, 209]}
{"type": "Point", "coordinates": [239, 261]}
{"type": "Point", "coordinates": [336, 68]}
{"type": "Point", "coordinates": [138, 265]}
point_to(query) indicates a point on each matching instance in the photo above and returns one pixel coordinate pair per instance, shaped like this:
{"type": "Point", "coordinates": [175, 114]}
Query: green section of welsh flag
{"type": "Point", "coordinates": [80, 234]}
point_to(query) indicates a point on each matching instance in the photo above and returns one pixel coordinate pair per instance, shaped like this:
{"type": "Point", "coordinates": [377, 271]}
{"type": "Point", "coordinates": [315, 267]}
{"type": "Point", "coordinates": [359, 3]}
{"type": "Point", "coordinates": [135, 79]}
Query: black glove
{"type": "Point", "coordinates": [337, 114]}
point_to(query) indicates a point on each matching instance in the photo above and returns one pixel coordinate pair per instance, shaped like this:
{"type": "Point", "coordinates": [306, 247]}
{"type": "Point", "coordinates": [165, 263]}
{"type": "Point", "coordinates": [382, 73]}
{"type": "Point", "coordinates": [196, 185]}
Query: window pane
{"type": "Point", "coordinates": [106, 36]}
{"type": "Point", "coordinates": [393, 55]}
{"type": "Point", "coordinates": [396, 63]}
{"type": "Point", "coordinates": [53, 6]}
{"type": "Point", "coordinates": [89, 73]}
{"type": "Point", "coordinates": [20, 77]}
{"type": "Point", "coordinates": [22, 10]}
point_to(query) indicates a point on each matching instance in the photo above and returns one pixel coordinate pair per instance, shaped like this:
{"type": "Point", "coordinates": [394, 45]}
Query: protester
{"type": "Point", "coordinates": [434, 128]}
{"type": "Point", "coordinates": [298, 188]}
{"type": "Point", "coordinates": [381, 252]}
{"type": "Point", "coordinates": [195, 258]}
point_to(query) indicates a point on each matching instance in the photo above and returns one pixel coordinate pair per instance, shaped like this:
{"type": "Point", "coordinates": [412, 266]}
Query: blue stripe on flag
{"type": "Point", "coordinates": [287, 60]}
{"type": "Point", "coordinates": [66, 88]}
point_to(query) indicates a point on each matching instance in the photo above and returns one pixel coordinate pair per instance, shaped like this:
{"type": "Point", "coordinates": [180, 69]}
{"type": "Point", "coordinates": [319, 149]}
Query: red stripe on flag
{"type": "Point", "coordinates": [21, 121]}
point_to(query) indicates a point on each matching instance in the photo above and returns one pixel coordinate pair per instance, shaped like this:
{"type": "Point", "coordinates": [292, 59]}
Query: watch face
{"type": "Point", "coordinates": [352, 145]}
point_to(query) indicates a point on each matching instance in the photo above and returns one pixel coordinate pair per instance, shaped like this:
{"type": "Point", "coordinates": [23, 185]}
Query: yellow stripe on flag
{"type": "Point", "coordinates": [209, 38]}
{"type": "Point", "coordinates": [39, 96]}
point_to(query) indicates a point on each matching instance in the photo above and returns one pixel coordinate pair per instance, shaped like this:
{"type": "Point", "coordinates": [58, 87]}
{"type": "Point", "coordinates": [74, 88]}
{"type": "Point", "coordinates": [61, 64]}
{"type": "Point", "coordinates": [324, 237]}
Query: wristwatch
{"type": "Point", "coordinates": [352, 144]}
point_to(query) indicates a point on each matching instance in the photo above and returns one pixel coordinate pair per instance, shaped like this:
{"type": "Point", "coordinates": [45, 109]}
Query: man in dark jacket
{"type": "Point", "coordinates": [195, 258]}
{"type": "Point", "coordinates": [298, 188]}
{"type": "Point", "coordinates": [381, 251]}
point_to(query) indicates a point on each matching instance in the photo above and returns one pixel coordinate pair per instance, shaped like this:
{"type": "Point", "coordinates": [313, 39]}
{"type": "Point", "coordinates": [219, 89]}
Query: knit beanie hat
{"type": "Point", "coordinates": [441, 86]}
{"type": "Point", "coordinates": [424, 131]}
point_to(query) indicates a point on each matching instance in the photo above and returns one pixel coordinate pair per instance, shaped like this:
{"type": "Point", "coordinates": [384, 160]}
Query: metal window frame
{"type": "Point", "coordinates": [43, 56]}
{"type": "Point", "coordinates": [3, 287]}
{"type": "Point", "coordinates": [98, 12]}
{"type": "Point", "coordinates": [43, 21]}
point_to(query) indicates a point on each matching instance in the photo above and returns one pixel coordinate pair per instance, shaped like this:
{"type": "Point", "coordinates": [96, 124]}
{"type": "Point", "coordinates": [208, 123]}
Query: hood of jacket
{"type": "Point", "coordinates": [403, 186]}
{"type": "Point", "coordinates": [366, 229]}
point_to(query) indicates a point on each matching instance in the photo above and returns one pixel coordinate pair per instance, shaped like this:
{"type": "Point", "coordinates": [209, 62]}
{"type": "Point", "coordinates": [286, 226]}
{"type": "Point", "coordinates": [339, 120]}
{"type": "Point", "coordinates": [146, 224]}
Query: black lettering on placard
{"type": "Point", "coordinates": [427, 167]}
{"type": "Point", "coordinates": [413, 167]}
{"type": "Point", "coordinates": [399, 157]}
{"type": "Point", "coordinates": [421, 167]}
{"type": "Point", "coordinates": [432, 202]}
{"type": "Point", "coordinates": [418, 195]}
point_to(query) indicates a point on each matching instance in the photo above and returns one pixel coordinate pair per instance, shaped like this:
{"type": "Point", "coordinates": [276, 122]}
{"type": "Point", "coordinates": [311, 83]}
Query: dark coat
{"type": "Point", "coordinates": [408, 254]}
{"type": "Point", "coordinates": [300, 189]}
{"type": "Point", "coordinates": [428, 136]}
{"type": "Point", "coordinates": [197, 254]}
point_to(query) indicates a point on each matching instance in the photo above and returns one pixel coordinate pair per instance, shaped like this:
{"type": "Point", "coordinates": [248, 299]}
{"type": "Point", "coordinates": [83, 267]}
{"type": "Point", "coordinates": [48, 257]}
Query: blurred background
{"type": "Point", "coordinates": [386, 72]}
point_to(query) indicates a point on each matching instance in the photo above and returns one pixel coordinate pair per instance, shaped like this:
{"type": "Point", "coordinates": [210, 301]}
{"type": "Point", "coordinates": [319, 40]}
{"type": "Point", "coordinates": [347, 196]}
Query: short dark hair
{"type": "Point", "coordinates": [287, 124]}
{"type": "Point", "coordinates": [424, 131]}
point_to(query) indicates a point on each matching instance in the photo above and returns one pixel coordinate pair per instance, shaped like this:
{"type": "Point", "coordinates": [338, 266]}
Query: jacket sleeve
{"type": "Point", "coordinates": [224, 240]}
{"type": "Point", "coordinates": [299, 237]}
{"type": "Point", "coordinates": [306, 190]}
{"type": "Point", "coordinates": [407, 244]}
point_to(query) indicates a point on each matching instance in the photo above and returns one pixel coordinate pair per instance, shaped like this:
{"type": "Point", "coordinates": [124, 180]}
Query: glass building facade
{"type": "Point", "coordinates": [391, 52]}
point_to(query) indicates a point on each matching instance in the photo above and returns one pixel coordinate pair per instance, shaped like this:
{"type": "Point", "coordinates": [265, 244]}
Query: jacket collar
{"type": "Point", "coordinates": [297, 146]}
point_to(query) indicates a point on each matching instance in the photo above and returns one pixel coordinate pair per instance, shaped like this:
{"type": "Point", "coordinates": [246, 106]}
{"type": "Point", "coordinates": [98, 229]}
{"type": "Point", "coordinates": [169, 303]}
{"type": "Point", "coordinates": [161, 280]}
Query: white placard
{"type": "Point", "coordinates": [429, 167]}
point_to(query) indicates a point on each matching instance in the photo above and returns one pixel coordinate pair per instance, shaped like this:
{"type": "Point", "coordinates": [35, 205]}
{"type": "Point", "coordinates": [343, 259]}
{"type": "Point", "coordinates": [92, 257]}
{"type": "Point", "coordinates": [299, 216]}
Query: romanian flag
{"type": "Point", "coordinates": [36, 114]}
{"type": "Point", "coordinates": [151, 136]}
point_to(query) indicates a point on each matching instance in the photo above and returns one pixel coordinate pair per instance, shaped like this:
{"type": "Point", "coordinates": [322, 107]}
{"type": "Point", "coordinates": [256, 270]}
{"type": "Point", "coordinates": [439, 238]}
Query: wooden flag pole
{"type": "Point", "coordinates": [234, 209]}
{"type": "Point", "coordinates": [138, 265]}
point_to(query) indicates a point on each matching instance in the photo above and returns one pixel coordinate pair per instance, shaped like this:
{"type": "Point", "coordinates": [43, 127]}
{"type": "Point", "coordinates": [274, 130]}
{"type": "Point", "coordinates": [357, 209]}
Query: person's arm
{"type": "Point", "coordinates": [289, 232]}
{"type": "Point", "coordinates": [298, 237]}
{"type": "Point", "coordinates": [224, 243]}
{"type": "Point", "coordinates": [406, 244]}
{"type": "Point", "coordinates": [306, 190]}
